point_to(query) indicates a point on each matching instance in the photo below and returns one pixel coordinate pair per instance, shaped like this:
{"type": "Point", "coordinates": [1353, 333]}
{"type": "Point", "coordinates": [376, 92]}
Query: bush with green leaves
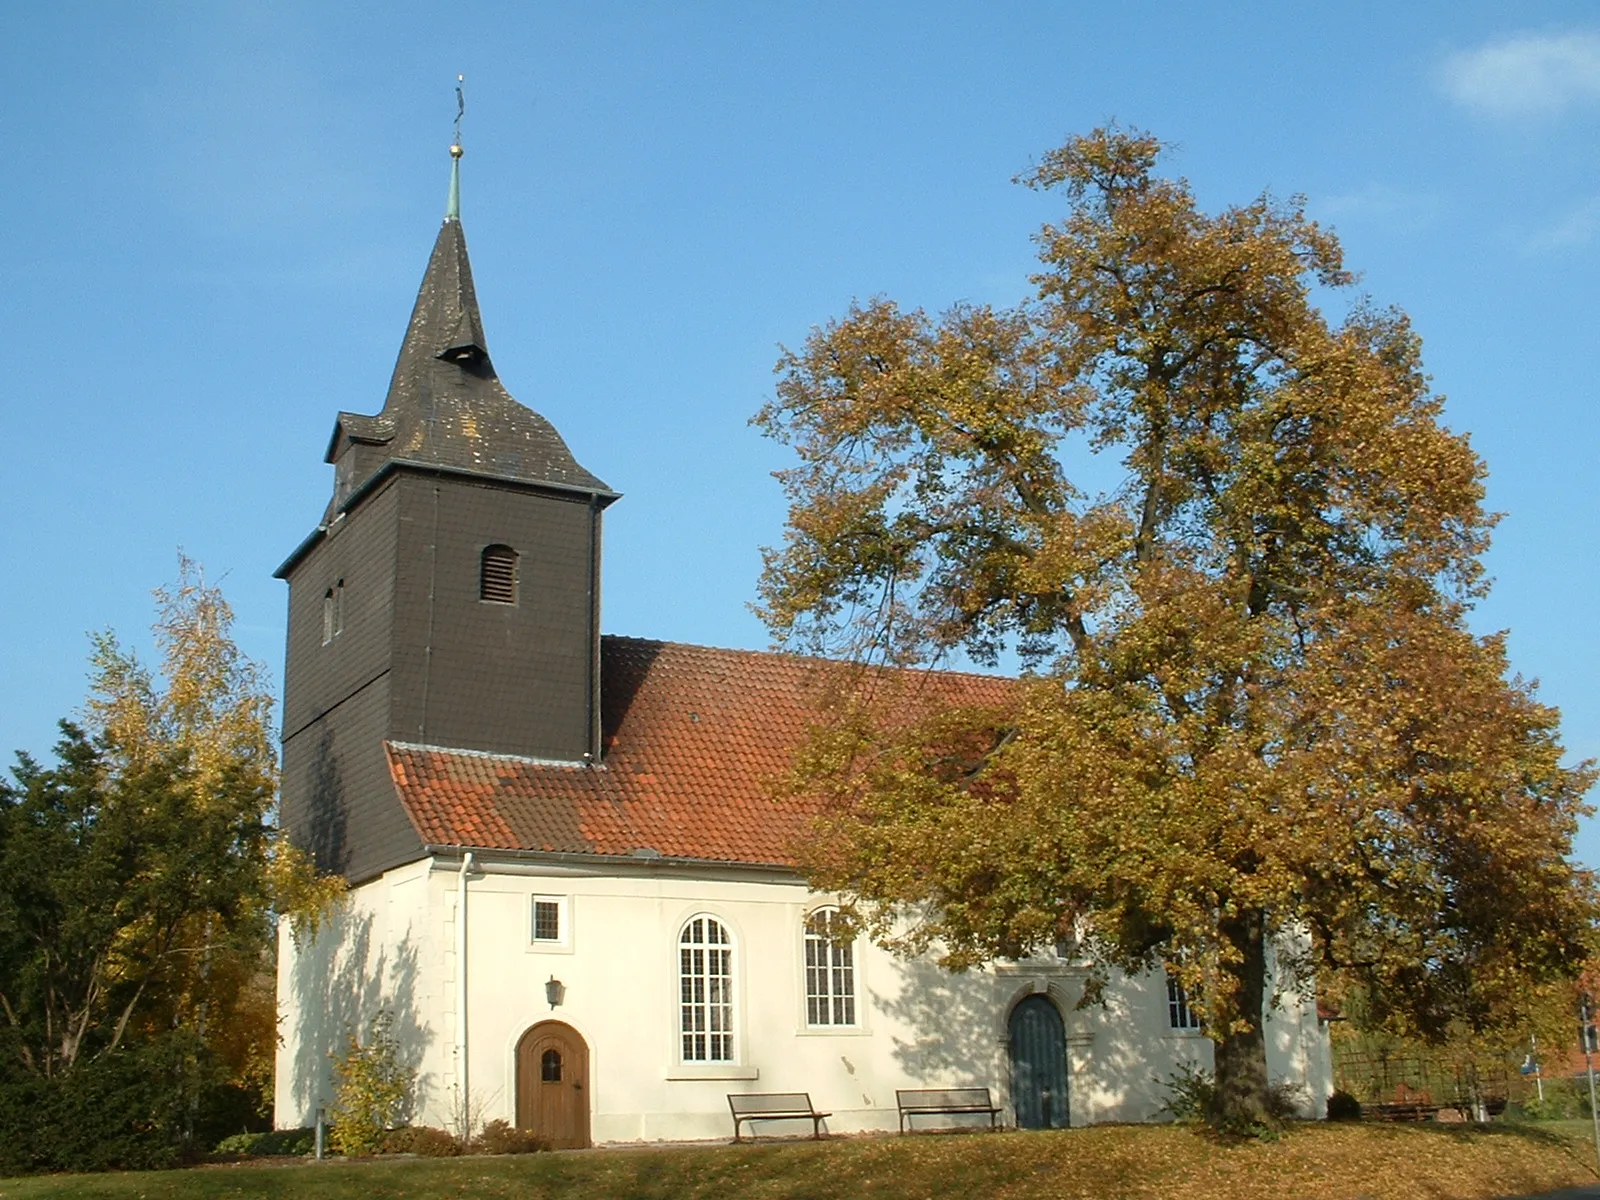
{"type": "Point", "coordinates": [372, 1088]}
{"type": "Point", "coordinates": [1193, 1096]}
{"type": "Point", "coordinates": [271, 1143]}
{"type": "Point", "coordinates": [128, 1109]}
{"type": "Point", "coordinates": [1564, 1100]}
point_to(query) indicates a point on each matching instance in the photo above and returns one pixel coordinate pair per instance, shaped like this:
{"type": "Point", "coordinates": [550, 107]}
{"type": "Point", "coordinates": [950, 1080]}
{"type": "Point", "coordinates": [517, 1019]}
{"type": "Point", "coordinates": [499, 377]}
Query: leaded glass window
{"type": "Point", "coordinates": [830, 971]}
{"type": "Point", "coordinates": [705, 988]}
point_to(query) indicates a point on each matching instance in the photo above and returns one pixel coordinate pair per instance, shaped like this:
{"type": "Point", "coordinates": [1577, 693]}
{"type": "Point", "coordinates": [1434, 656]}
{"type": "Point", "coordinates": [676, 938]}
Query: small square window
{"type": "Point", "coordinates": [549, 923]}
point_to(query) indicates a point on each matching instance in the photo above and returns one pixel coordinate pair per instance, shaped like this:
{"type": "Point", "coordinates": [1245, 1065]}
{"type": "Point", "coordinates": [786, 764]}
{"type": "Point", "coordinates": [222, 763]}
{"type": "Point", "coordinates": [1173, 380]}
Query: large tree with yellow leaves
{"type": "Point", "coordinates": [1234, 548]}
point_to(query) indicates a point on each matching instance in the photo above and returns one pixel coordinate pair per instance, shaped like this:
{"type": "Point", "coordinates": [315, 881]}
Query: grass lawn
{"type": "Point", "coordinates": [1105, 1163]}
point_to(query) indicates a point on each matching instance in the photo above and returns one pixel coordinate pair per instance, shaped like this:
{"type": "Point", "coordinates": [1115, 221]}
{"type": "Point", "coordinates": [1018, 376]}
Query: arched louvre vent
{"type": "Point", "coordinates": [497, 578]}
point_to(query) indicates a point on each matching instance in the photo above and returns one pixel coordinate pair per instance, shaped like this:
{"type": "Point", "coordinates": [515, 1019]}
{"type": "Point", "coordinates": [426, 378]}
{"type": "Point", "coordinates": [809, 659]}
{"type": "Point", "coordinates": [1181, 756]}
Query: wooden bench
{"type": "Point", "coordinates": [1401, 1110]}
{"type": "Point", "coordinates": [944, 1102]}
{"type": "Point", "coordinates": [774, 1106]}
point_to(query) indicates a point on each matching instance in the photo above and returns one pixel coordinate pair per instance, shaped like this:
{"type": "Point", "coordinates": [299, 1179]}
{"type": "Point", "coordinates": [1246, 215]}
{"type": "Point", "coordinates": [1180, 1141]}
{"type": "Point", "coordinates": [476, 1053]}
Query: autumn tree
{"type": "Point", "coordinates": [141, 874]}
{"type": "Point", "coordinates": [1234, 548]}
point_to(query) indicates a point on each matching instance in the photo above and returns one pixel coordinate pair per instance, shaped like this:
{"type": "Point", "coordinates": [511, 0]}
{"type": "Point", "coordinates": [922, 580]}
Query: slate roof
{"type": "Point", "coordinates": [692, 737]}
{"type": "Point", "coordinates": [446, 406]}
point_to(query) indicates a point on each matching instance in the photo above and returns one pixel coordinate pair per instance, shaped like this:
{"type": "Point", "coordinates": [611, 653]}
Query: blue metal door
{"type": "Point", "coordinates": [1038, 1065]}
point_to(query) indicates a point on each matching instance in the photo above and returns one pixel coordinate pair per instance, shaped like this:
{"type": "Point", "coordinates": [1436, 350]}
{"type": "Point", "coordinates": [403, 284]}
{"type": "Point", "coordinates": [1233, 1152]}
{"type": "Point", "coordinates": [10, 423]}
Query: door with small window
{"type": "Point", "coordinates": [553, 1084]}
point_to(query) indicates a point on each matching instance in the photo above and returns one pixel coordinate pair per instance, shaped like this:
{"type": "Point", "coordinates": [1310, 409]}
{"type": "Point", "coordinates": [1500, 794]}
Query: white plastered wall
{"type": "Point", "coordinates": [393, 947]}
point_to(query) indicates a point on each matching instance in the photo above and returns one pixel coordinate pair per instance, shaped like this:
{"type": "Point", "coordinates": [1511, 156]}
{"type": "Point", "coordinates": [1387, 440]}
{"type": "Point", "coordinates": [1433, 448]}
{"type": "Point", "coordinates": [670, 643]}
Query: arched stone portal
{"type": "Point", "coordinates": [553, 1084]}
{"type": "Point", "coordinates": [1038, 1047]}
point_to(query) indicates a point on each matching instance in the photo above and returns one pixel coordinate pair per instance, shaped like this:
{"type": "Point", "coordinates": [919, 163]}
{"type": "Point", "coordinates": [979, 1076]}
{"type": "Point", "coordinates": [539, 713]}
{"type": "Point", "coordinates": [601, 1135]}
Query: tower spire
{"type": "Point", "coordinates": [446, 407]}
{"type": "Point", "coordinates": [452, 208]}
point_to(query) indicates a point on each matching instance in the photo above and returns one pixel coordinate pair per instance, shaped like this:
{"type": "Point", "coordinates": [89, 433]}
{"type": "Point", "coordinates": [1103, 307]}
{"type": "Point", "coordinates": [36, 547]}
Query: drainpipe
{"type": "Point", "coordinates": [461, 994]}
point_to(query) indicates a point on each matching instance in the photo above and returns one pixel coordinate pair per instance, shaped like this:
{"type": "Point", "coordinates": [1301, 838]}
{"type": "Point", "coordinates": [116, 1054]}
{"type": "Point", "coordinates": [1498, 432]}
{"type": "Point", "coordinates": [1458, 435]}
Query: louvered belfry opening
{"type": "Point", "coordinates": [497, 578]}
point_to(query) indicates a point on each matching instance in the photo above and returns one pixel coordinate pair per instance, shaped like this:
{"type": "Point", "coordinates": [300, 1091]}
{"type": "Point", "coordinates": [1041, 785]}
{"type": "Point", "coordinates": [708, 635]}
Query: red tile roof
{"type": "Point", "coordinates": [692, 738]}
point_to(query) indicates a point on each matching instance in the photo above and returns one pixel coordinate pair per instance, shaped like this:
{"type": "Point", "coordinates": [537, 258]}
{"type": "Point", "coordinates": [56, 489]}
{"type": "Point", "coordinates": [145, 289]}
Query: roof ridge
{"type": "Point", "coordinates": [794, 656]}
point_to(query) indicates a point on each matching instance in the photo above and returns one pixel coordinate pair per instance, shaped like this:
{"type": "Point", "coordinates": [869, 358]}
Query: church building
{"type": "Point", "coordinates": [572, 898]}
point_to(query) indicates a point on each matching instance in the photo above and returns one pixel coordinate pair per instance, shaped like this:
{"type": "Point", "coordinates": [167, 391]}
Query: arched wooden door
{"type": "Point", "coordinates": [553, 1084]}
{"type": "Point", "coordinates": [1038, 1065]}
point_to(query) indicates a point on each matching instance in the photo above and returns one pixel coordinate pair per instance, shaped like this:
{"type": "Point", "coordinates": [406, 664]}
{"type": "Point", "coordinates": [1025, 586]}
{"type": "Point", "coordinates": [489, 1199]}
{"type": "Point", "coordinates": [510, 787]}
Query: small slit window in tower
{"type": "Point", "coordinates": [327, 616]}
{"type": "Point", "coordinates": [497, 576]}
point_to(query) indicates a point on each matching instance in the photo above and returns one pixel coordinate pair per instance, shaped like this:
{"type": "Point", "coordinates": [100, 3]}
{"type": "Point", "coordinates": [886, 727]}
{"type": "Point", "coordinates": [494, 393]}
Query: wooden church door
{"type": "Point", "coordinates": [1038, 1065]}
{"type": "Point", "coordinates": [553, 1084]}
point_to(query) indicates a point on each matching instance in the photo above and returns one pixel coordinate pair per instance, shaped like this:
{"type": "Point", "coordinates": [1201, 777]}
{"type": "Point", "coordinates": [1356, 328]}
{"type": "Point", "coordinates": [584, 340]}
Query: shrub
{"type": "Point", "coordinates": [1192, 1097]}
{"type": "Point", "coordinates": [499, 1137]}
{"type": "Point", "coordinates": [1342, 1106]}
{"type": "Point", "coordinates": [125, 1111]}
{"type": "Point", "coordinates": [1286, 1101]}
{"type": "Point", "coordinates": [272, 1143]}
{"type": "Point", "coordinates": [434, 1143]}
{"type": "Point", "coordinates": [371, 1088]}
{"type": "Point", "coordinates": [1192, 1094]}
{"type": "Point", "coordinates": [1563, 1100]}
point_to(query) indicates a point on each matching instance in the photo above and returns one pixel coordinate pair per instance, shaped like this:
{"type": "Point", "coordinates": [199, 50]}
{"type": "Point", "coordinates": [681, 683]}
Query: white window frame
{"type": "Point", "coordinates": [839, 981]}
{"type": "Point", "coordinates": [558, 945]}
{"type": "Point", "coordinates": [707, 1012]}
{"type": "Point", "coordinates": [1180, 1017]}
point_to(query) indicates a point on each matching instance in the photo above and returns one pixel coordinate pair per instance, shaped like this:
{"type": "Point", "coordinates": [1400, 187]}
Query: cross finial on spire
{"type": "Point", "coordinates": [452, 211]}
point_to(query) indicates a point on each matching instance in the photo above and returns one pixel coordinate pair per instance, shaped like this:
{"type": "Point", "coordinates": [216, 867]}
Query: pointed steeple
{"type": "Point", "coordinates": [446, 407]}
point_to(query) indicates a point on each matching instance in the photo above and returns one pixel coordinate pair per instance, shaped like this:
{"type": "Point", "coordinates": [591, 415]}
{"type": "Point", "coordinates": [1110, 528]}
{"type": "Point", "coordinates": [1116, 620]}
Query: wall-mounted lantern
{"type": "Point", "coordinates": [555, 991]}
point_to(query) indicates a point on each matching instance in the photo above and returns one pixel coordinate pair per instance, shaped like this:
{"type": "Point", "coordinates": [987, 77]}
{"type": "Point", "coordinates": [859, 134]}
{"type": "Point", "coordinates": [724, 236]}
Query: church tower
{"type": "Point", "coordinates": [450, 596]}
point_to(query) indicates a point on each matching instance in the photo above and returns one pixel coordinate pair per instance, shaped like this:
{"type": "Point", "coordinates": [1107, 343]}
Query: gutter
{"type": "Point", "coordinates": [644, 858]}
{"type": "Point", "coordinates": [463, 1083]}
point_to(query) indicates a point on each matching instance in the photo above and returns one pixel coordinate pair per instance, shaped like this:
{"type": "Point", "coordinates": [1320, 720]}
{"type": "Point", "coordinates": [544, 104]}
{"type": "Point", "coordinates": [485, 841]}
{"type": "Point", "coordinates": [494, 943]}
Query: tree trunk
{"type": "Point", "coordinates": [1241, 1056]}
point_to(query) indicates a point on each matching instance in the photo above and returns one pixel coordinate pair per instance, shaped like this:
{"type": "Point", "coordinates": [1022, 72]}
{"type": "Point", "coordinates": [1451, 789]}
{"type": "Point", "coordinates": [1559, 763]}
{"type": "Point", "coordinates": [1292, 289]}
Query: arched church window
{"type": "Point", "coordinates": [830, 970]}
{"type": "Point", "coordinates": [705, 990]}
{"type": "Point", "coordinates": [497, 575]}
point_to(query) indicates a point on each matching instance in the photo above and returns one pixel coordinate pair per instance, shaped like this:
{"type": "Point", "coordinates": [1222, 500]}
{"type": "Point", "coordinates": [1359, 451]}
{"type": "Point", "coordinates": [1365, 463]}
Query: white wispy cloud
{"type": "Point", "coordinates": [1384, 205]}
{"type": "Point", "coordinates": [1525, 75]}
{"type": "Point", "coordinates": [1579, 227]}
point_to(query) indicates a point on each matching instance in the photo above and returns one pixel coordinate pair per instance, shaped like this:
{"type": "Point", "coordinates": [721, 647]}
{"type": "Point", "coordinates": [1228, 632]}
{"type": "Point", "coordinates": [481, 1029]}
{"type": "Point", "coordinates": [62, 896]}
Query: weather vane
{"type": "Point", "coordinates": [461, 108]}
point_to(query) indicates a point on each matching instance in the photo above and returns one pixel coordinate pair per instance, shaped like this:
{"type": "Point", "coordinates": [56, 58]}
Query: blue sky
{"type": "Point", "coordinates": [217, 216]}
